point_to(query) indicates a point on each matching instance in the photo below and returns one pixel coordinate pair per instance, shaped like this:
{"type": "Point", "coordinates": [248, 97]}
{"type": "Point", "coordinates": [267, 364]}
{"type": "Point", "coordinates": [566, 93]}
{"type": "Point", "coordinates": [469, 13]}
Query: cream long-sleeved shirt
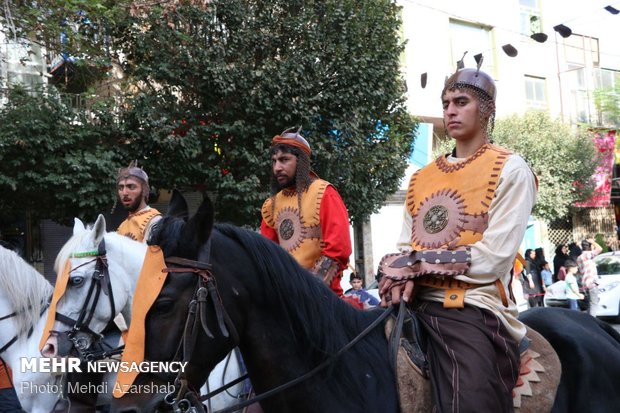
{"type": "Point", "coordinates": [493, 256]}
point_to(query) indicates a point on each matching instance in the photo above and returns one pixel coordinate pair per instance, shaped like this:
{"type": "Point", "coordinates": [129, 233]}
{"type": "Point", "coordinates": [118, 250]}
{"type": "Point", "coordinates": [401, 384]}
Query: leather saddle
{"type": "Point", "coordinates": [539, 373]}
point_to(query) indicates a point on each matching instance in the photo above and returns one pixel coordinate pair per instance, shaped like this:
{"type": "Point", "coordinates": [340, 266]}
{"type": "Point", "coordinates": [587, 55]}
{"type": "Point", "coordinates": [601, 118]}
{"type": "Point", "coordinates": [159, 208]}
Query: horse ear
{"type": "Point", "coordinates": [203, 220]}
{"type": "Point", "coordinates": [178, 206]}
{"type": "Point", "coordinates": [78, 226]}
{"type": "Point", "coordinates": [99, 229]}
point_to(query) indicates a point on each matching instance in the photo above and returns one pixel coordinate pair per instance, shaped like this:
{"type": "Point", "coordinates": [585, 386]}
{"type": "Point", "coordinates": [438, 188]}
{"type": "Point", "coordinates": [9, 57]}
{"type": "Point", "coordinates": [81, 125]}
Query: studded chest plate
{"type": "Point", "coordinates": [442, 217]}
{"type": "Point", "coordinates": [292, 231]}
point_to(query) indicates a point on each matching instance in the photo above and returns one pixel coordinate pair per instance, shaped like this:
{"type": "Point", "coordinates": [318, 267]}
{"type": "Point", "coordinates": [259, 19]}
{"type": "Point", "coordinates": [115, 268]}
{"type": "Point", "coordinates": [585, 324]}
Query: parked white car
{"type": "Point", "coordinates": [556, 296]}
{"type": "Point", "coordinates": [608, 266]}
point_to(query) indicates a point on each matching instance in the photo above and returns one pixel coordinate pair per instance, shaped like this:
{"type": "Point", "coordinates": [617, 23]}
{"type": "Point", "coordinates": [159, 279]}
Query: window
{"type": "Point", "coordinates": [535, 94]}
{"type": "Point", "coordinates": [575, 78]}
{"type": "Point", "coordinates": [531, 21]}
{"type": "Point", "coordinates": [22, 64]}
{"type": "Point", "coordinates": [607, 97]}
{"type": "Point", "coordinates": [473, 39]}
{"type": "Point", "coordinates": [607, 79]}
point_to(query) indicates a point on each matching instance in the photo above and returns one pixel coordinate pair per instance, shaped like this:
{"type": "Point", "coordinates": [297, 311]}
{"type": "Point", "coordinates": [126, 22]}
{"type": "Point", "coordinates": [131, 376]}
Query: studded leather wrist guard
{"type": "Point", "coordinates": [440, 262]}
{"type": "Point", "coordinates": [325, 269]}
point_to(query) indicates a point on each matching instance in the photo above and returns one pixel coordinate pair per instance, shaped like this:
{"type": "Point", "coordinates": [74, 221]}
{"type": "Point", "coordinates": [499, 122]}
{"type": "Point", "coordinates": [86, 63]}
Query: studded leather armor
{"type": "Point", "coordinates": [451, 203]}
{"type": "Point", "coordinates": [299, 232]}
{"type": "Point", "coordinates": [135, 225]}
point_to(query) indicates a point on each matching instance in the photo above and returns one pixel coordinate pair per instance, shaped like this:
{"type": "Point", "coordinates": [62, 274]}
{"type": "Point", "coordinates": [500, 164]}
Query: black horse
{"type": "Point", "coordinates": [589, 351]}
{"type": "Point", "coordinates": [286, 323]}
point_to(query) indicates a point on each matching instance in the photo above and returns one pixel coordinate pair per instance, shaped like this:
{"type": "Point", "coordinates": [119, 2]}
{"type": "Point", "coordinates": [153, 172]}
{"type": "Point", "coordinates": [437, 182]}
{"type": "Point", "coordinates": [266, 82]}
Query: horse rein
{"type": "Point", "coordinates": [386, 313]}
{"type": "Point", "coordinates": [204, 271]}
{"type": "Point", "coordinates": [197, 313]}
{"type": "Point", "coordinates": [30, 330]}
{"type": "Point", "coordinates": [100, 281]}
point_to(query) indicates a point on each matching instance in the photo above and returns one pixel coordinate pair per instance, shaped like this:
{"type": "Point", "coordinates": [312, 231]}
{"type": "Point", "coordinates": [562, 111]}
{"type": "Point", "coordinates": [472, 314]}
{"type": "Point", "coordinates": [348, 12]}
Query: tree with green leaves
{"type": "Point", "coordinates": [207, 84]}
{"type": "Point", "coordinates": [55, 161]}
{"type": "Point", "coordinates": [564, 160]}
{"type": "Point", "coordinates": [217, 82]}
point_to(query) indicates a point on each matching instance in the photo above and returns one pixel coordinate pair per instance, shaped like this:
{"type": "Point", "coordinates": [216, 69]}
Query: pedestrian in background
{"type": "Point", "coordinates": [572, 288]}
{"type": "Point", "coordinates": [589, 272]}
{"type": "Point", "coordinates": [546, 275]}
{"type": "Point", "coordinates": [535, 289]}
{"type": "Point", "coordinates": [561, 255]}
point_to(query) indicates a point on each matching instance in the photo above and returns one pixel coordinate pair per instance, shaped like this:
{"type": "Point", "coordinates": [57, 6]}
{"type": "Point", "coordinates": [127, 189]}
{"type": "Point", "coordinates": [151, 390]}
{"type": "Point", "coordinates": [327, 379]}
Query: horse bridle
{"type": "Point", "coordinates": [184, 399]}
{"type": "Point", "coordinates": [100, 281]}
{"type": "Point", "coordinates": [30, 331]}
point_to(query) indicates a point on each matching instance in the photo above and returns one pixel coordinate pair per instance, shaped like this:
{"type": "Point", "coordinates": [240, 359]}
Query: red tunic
{"type": "Point", "coordinates": [335, 237]}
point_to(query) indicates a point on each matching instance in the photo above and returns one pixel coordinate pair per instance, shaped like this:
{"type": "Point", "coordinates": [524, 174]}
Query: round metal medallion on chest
{"type": "Point", "coordinates": [287, 229]}
{"type": "Point", "coordinates": [436, 219]}
{"type": "Point", "coordinates": [439, 219]}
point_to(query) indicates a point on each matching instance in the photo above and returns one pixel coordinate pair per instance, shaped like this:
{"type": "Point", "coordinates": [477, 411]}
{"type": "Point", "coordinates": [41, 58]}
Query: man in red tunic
{"type": "Point", "coordinates": [304, 213]}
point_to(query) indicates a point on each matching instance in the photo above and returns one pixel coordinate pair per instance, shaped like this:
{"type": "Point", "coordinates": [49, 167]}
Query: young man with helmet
{"type": "Point", "coordinates": [465, 217]}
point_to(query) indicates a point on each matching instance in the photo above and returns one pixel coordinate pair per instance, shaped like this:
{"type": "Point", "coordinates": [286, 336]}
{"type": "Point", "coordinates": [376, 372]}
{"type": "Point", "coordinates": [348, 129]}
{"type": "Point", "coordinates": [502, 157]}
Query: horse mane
{"type": "Point", "coordinates": [323, 333]}
{"type": "Point", "coordinates": [167, 234]}
{"type": "Point", "coordinates": [25, 288]}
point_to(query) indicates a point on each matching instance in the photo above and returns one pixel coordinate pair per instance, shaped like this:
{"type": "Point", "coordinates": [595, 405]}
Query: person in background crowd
{"type": "Point", "coordinates": [561, 255]}
{"type": "Point", "coordinates": [589, 272]}
{"type": "Point", "coordinates": [536, 291]}
{"type": "Point", "coordinates": [611, 242]}
{"type": "Point", "coordinates": [357, 289]}
{"type": "Point", "coordinates": [572, 288]}
{"type": "Point", "coordinates": [546, 275]}
{"type": "Point", "coordinates": [574, 251]}
{"type": "Point", "coordinates": [540, 258]}
{"type": "Point", "coordinates": [305, 214]}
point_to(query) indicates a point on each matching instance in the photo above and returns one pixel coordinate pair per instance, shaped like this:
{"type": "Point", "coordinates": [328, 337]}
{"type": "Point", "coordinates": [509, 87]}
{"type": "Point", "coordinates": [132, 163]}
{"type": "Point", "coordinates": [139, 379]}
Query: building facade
{"type": "Point", "coordinates": [548, 72]}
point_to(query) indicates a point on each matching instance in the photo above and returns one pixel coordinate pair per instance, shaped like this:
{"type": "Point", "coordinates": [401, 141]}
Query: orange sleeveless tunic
{"type": "Point", "coordinates": [135, 225]}
{"type": "Point", "coordinates": [299, 232]}
{"type": "Point", "coordinates": [449, 202]}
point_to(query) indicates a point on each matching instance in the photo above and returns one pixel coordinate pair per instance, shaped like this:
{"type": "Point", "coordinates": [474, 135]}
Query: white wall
{"type": "Point", "coordinates": [426, 28]}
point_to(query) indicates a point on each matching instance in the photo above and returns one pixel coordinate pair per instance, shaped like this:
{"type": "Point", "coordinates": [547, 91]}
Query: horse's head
{"type": "Point", "coordinates": [192, 311]}
{"type": "Point", "coordinates": [96, 279]}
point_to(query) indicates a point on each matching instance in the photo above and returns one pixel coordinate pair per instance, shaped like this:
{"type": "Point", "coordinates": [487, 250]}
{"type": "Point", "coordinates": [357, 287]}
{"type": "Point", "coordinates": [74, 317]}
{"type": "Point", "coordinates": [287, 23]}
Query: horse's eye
{"type": "Point", "coordinates": [76, 281]}
{"type": "Point", "coordinates": [163, 306]}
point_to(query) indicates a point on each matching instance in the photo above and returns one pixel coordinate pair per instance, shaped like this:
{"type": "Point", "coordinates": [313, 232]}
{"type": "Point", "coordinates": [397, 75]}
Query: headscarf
{"type": "Point", "coordinates": [294, 139]}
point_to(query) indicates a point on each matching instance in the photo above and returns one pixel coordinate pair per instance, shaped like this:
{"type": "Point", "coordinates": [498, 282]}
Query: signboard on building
{"type": "Point", "coordinates": [605, 142]}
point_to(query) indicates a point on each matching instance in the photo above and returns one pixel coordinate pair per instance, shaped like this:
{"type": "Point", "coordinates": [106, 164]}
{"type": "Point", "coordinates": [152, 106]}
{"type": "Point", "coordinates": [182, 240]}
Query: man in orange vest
{"type": "Point", "coordinates": [465, 216]}
{"type": "Point", "coordinates": [305, 214]}
{"type": "Point", "coordinates": [132, 186]}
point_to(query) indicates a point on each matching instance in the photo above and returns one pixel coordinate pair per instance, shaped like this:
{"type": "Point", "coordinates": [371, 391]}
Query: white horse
{"type": "Point", "coordinates": [124, 258]}
{"type": "Point", "coordinates": [25, 293]}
